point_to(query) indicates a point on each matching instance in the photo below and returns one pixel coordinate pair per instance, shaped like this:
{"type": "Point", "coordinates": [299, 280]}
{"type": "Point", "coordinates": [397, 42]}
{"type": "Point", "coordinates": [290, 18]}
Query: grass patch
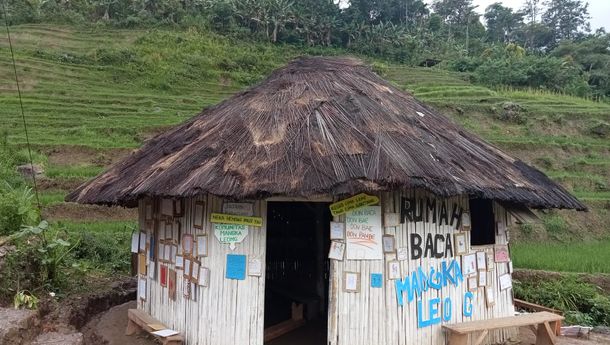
{"type": "Point", "coordinates": [590, 257]}
{"type": "Point", "coordinates": [74, 171]}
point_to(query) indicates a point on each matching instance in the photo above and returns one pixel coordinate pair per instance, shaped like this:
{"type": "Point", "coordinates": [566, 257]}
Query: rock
{"type": "Point", "coordinates": [511, 112]}
{"type": "Point", "coordinates": [26, 170]}
{"type": "Point", "coordinates": [59, 339]}
{"type": "Point", "coordinates": [17, 326]}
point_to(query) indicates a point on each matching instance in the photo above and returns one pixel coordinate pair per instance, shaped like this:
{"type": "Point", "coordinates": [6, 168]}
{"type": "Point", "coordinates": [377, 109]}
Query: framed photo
{"type": "Point", "coordinates": [198, 214]}
{"type": "Point", "coordinates": [148, 210]}
{"type": "Point", "coordinates": [187, 244]}
{"type": "Point", "coordinates": [391, 219]}
{"type": "Point", "coordinates": [168, 231]}
{"type": "Point", "coordinates": [337, 231]}
{"type": "Point", "coordinates": [337, 250]}
{"type": "Point", "coordinates": [176, 231]}
{"type": "Point", "coordinates": [173, 253]}
{"type": "Point", "coordinates": [171, 283]}
{"type": "Point", "coordinates": [142, 288]}
{"type": "Point", "coordinates": [255, 267]}
{"type": "Point", "coordinates": [142, 264]}
{"type": "Point", "coordinates": [461, 246]}
{"type": "Point", "coordinates": [402, 254]}
{"type": "Point", "coordinates": [469, 263]}
{"type": "Point", "coordinates": [505, 282]}
{"type": "Point", "coordinates": [178, 208]}
{"type": "Point", "coordinates": [167, 252]}
{"type": "Point", "coordinates": [202, 245]}
{"type": "Point", "coordinates": [482, 278]}
{"type": "Point", "coordinates": [351, 282]}
{"type": "Point", "coordinates": [393, 270]}
{"type": "Point", "coordinates": [204, 276]}
{"type": "Point", "coordinates": [481, 261]}
{"type": "Point", "coordinates": [466, 221]}
{"type": "Point", "coordinates": [161, 251]}
{"type": "Point", "coordinates": [187, 268]}
{"type": "Point", "coordinates": [490, 296]}
{"type": "Point", "coordinates": [389, 244]}
{"type": "Point", "coordinates": [195, 272]}
{"type": "Point", "coordinates": [501, 253]}
{"type": "Point", "coordinates": [473, 283]}
{"type": "Point", "coordinates": [179, 261]}
{"type": "Point", "coordinates": [167, 208]}
{"type": "Point", "coordinates": [163, 275]}
{"type": "Point", "coordinates": [490, 262]}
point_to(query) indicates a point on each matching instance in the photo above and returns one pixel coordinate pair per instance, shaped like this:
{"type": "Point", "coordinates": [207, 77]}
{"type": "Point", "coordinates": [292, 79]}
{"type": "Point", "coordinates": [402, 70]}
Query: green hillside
{"type": "Point", "coordinates": [90, 96]}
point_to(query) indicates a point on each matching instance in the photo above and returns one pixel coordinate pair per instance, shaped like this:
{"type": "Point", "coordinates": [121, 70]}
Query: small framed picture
{"type": "Point", "coordinates": [187, 244]}
{"type": "Point", "coordinates": [482, 278]}
{"type": "Point", "coordinates": [187, 268]}
{"type": "Point", "coordinates": [402, 254]}
{"type": "Point", "coordinates": [255, 267]}
{"type": "Point", "coordinates": [393, 270]}
{"type": "Point", "coordinates": [469, 263]}
{"type": "Point", "coordinates": [142, 288]}
{"type": "Point", "coordinates": [179, 262]}
{"type": "Point", "coordinates": [198, 214]}
{"type": "Point", "coordinates": [505, 282]}
{"type": "Point", "coordinates": [473, 284]}
{"type": "Point", "coordinates": [466, 221]}
{"type": "Point", "coordinates": [167, 231]}
{"type": "Point", "coordinates": [171, 284]}
{"type": "Point", "coordinates": [195, 272]}
{"type": "Point", "coordinates": [351, 282]}
{"type": "Point", "coordinates": [389, 244]}
{"type": "Point", "coordinates": [481, 261]}
{"type": "Point", "coordinates": [337, 250]}
{"type": "Point", "coordinates": [490, 262]}
{"type": "Point", "coordinates": [173, 253]}
{"type": "Point", "coordinates": [176, 231]}
{"type": "Point", "coordinates": [167, 208]}
{"type": "Point", "coordinates": [501, 253]}
{"type": "Point", "coordinates": [337, 231]}
{"type": "Point", "coordinates": [204, 276]}
{"type": "Point", "coordinates": [461, 246]}
{"type": "Point", "coordinates": [202, 245]}
{"type": "Point", "coordinates": [142, 264]}
{"type": "Point", "coordinates": [163, 275]}
{"type": "Point", "coordinates": [178, 208]}
{"type": "Point", "coordinates": [167, 252]}
{"type": "Point", "coordinates": [490, 297]}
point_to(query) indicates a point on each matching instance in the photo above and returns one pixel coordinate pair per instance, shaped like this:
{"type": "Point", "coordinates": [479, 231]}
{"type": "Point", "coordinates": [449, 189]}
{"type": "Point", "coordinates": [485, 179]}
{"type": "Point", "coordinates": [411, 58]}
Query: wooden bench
{"type": "Point", "coordinates": [139, 320]}
{"type": "Point", "coordinates": [542, 323]}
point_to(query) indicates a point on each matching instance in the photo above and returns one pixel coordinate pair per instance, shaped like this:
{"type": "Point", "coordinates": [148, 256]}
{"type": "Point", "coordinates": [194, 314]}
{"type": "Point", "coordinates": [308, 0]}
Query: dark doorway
{"type": "Point", "coordinates": [297, 271]}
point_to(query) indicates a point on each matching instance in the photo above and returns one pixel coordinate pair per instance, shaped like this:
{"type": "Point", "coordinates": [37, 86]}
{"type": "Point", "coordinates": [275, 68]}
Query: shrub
{"type": "Point", "coordinates": [16, 209]}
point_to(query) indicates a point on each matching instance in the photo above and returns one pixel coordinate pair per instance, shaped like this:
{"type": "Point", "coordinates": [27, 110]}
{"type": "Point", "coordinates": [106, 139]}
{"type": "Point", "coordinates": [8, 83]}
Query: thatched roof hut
{"type": "Point", "coordinates": [321, 126]}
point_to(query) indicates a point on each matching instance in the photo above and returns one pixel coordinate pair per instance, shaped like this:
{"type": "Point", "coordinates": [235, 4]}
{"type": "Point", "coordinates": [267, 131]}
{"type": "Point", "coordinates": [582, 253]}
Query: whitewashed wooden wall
{"type": "Point", "coordinates": [373, 316]}
{"type": "Point", "coordinates": [228, 312]}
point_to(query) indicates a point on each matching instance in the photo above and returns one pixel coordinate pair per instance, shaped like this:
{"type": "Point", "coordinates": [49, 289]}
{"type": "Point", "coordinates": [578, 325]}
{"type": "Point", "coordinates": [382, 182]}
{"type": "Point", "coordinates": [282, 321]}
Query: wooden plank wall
{"type": "Point", "coordinates": [227, 312]}
{"type": "Point", "coordinates": [373, 316]}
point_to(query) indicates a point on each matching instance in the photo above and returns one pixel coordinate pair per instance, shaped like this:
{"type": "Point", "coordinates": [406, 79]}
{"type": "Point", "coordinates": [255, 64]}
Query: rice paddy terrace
{"type": "Point", "coordinates": [91, 96]}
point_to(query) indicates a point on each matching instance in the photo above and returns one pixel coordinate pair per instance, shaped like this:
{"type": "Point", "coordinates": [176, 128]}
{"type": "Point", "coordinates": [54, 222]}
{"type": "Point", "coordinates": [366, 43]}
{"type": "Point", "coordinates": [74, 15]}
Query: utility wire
{"type": "Point", "coordinates": [25, 125]}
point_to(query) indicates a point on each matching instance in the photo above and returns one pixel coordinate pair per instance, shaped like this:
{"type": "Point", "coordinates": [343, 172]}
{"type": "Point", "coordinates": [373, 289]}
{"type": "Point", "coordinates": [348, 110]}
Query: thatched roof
{"type": "Point", "coordinates": [321, 126]}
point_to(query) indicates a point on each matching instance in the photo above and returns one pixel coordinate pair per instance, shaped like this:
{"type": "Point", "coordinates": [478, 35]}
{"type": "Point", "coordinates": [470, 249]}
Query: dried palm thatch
{"type": "Point", "coordinates": [321, 126]}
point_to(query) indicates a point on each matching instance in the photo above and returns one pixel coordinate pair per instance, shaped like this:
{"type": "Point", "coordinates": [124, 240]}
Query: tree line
{"type": "Point", "coordinates": [546, 44]}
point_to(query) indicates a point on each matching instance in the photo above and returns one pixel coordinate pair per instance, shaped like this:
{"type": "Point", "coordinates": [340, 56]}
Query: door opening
{"type": "Point", "coordinates": [296, 285]}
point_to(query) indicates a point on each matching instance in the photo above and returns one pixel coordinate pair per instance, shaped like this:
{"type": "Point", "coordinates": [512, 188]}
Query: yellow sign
{"type": "Point", "coordinates": [352, 203]}
{"type": "Point", "coordinates": [232, 219]}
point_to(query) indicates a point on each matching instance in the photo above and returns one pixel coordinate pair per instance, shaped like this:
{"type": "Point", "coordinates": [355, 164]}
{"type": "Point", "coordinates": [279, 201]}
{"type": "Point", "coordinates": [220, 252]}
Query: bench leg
{"type": "Point", "coordinates": [545, 335]}
{"type": "Point", "coordinates": [458, 339]}
{"type": "Point", "coordinates": [480, 338]}
{"type": "Point", "coordinates": [132, 327]}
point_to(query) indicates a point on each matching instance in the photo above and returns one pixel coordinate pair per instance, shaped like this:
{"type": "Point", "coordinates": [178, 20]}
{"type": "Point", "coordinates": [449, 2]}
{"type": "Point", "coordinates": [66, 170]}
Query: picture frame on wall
{"type": "Point", "coordinates": [473, 283]}
{"type": "Point", "coordinates": [337, 231]}
{"type": "Point", "coordinates": [202, 245]}
{"type": "Point", "coordinates": [501, 253]}
{"type": "Point", "coordinates": [389, 244]}
{"type": "Point", "coordinates": [481, 261]}
{"type": "Point", "coordinates": [198, 214]}
{"type": "Point", "coordinates": [176, 231]}
{"type": "Point", "coordinates": [148, 210]}
{"type": "Point", "coordinates": [179, 262]}
{"type": "Point", "coordinates": [255, 267]}
{"type": "Point", "coordinates": [505, 282]}
{"type": "Point", "coordinates": [490, 296]}
{"type": "Point", "coordinates": [465, 224]}
{"type": "Point", "coordinates": [402, 254]}
{"type": "Point", "coordinates": [171, 284]}
{"type": "Point", "coordinates": [469, 264]}
{"type": "Point", "coordinates": [491, 265]}
{"type": "Point", "coordinates": [168, 230]}
{"type": "Point", "coordinates": [482, 281]}
{"type": "Point", "coordinates": [461, 246]}
{"type": "Point", "coordinates": [204, 276]}
{"type": "Point", "coordinates": [351, 282]}
{"type": "Point", "coordinates": [187, 244]}
{"type": "Point", "coordinates": [393, 267]}
{"type": "Point", "coordinates": [337, 250]}
{"type": "Point", "coordinates": [163, 275]}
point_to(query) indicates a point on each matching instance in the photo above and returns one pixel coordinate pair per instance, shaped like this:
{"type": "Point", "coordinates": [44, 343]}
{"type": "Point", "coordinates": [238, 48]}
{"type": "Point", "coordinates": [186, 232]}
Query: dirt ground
{"type": "Point", "coordinates": [110, 327]}
{"type": "Point", "coordinates": [71, 211]}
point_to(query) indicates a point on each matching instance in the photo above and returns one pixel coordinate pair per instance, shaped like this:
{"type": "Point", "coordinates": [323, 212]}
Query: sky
{"type": "Point", "coordinates": [598, 9]}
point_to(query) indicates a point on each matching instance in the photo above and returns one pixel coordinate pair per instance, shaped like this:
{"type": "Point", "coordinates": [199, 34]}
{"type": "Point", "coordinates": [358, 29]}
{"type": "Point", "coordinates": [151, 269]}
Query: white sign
{"type": "Point", "coordinates": [238, 208]}
{"type": "Point", "coordinates": [505, 282]}
{"type": "Point", "coordinates": [230, 233]}
{"type": "Point", "coordinates": [402, 254]}
{"type": "Point", "coordinates": [337, 231]}
{"type": "Point", "coordinates": [363, 233]}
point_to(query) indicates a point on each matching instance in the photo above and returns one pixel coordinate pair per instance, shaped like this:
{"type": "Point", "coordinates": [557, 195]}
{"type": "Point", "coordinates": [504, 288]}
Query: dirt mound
{"type": "Point", "coordinates": [109, 328]}
{"type": "Point", "coordinates": [72, 211]}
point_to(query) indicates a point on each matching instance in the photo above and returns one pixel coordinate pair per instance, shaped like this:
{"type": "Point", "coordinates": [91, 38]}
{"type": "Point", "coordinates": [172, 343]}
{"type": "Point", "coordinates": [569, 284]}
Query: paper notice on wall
{"type": "Point", "coordinates": [363, 233]}
{"type": "Point", "coordinates": [135, 242]}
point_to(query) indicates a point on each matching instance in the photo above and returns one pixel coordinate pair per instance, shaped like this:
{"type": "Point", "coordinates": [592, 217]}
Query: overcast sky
{"type": "Point", "coordinates": [598, 9]}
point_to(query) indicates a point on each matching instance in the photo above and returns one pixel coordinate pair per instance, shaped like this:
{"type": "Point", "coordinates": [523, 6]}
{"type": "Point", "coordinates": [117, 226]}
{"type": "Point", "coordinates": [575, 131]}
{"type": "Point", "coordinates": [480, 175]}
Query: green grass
{"type": "Point", "coordinates": [74, 171]}
{"type": "Point", "coordinates": [52, 197]}
{"type": "Point", "coordinates": [590, 257]}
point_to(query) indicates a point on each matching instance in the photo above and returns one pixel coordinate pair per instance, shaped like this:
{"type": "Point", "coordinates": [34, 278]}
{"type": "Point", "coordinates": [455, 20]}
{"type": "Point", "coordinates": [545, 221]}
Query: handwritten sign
{"type": "Point", "coordinates": [230, 234]}
{"type": "Point", "coordinates": [353, 203]}
{"type": "Point", "coordinates": [363, 233]}
{"type": "Point", "coordinates": [236, 267]}
{"type": "Point", "coordinates": [376, 280]}
{"type": "Point", "coordinates": [232, 219]}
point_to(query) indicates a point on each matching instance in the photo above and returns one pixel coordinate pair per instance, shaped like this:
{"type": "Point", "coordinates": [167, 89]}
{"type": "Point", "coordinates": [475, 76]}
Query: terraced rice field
{"type": "Point", "coordinates": [91, 96]}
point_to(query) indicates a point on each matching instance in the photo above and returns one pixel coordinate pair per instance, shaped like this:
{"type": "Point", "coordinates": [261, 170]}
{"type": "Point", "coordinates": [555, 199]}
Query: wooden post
{"type": "Point", "coordinates": [545, 334]}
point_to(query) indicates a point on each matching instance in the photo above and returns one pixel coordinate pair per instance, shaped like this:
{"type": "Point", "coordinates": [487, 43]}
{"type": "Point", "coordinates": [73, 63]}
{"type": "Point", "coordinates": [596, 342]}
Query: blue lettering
{"type": "Point", "coordinates": [401, 287]}
{"type": "Point", "coordinates": [447, 305]}
{"type": "Point", "coordinates": [468, 297]}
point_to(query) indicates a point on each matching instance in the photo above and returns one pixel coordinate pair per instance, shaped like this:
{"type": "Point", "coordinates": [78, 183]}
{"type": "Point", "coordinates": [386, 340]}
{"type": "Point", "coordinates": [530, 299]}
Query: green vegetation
{"type": "Point", "coordinates": [591, 257]}
{"type": "Point", "coordinates": [581, 302]}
